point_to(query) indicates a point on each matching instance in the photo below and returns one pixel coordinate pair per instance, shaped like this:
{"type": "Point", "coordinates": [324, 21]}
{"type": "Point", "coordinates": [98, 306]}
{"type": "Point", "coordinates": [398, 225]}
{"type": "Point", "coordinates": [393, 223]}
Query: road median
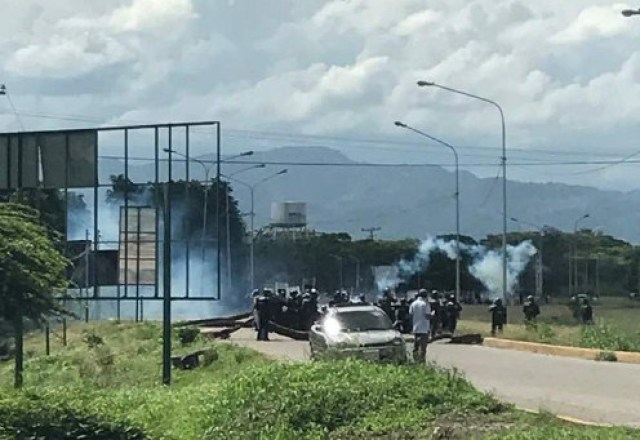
{"type": "Point", "coordinates": [560, 350]}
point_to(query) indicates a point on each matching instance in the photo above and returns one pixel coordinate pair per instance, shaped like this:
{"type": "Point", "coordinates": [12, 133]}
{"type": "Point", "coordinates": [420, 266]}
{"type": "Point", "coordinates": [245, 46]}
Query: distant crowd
{"type": "Point", "coordinates": [298, 311]}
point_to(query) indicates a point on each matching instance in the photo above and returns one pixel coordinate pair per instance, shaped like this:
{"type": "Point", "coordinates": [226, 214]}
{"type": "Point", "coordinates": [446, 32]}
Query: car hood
{"type": "Point", "coordinates": [362, 339]}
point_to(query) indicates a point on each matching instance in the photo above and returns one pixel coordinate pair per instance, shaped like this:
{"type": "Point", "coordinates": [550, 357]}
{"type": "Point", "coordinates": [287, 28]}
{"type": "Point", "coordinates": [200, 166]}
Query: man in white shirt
{"type": "Point", "coordinates": [420, 312]}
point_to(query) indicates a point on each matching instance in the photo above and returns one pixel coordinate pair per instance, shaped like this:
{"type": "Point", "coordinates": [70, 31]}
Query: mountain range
{"type": "Point", "coordinates": [345, 195]}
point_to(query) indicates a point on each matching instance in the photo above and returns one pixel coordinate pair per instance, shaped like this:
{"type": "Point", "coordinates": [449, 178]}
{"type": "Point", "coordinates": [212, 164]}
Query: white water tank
{"type": "Point", "coordinates": [289, 214]}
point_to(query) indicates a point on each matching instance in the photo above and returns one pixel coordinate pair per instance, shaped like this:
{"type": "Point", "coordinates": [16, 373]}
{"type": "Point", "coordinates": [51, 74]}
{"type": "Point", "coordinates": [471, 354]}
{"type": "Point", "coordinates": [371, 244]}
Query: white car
{"type": "Point", "coordinates": [359, 331]}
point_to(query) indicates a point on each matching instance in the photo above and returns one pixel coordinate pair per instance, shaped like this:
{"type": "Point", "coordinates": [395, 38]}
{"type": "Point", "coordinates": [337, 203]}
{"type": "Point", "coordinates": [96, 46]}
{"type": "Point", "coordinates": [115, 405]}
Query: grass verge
{"type": "Point", "coordinates": [240, 395]}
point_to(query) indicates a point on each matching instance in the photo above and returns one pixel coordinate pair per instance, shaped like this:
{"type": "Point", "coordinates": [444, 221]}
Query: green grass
{"type": "Point", "coordinates": [616, 328]}
{"type": "Point", "coordinates": [111, 390]}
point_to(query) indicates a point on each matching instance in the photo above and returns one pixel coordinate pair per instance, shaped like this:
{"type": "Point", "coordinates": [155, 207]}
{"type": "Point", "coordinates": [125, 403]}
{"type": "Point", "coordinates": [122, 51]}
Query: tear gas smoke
{"type": "Point", "coordinates": [488, 268]}
{"type": "Point", "coordinates": [202, 273]}
{"type": "Point", "coordinates": [486, 264]}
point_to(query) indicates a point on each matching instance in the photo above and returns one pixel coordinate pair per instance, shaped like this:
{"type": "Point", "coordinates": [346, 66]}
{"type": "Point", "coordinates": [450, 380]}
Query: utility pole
{"type": "Point", "coordinates": [371, 231]}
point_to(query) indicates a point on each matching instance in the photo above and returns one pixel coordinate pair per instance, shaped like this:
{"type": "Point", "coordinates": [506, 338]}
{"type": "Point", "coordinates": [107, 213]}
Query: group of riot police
{"type": "Point", "coordinates": [445, 311]}
{"type": "Point", "coordinates": [291, 310]}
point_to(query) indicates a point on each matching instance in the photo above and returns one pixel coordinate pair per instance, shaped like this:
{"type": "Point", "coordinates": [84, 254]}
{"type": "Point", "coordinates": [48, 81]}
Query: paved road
{"type": "Point", "coordinates": [599, 392]}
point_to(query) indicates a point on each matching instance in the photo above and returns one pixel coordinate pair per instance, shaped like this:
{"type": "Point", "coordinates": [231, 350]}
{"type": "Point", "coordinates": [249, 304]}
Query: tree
{"type": "Point", "coordinates": [32, 269]}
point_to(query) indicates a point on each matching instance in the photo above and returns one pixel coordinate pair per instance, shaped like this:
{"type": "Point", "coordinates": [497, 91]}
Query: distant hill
{"type": "Point", "coordinates": [412, 202]}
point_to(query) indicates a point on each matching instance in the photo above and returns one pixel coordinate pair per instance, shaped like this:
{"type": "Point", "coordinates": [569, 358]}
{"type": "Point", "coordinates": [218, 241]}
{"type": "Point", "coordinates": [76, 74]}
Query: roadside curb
{"type": "Point", "coordinates": [559, 350]}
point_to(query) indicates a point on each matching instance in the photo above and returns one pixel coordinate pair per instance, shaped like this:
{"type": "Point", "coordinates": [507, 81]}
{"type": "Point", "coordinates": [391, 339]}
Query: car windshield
{"type": "Point", "coordinates": [360, 321]}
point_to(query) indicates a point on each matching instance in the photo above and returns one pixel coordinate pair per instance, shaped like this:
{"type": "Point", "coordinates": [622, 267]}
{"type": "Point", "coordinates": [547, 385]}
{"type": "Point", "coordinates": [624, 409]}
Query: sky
{"type": "Point", "coordinates": [337, 73]}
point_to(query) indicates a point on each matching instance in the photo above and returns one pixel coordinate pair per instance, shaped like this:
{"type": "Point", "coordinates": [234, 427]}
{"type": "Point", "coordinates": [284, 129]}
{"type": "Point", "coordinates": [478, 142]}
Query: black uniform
{"type": "Point", "coordinates": [452, 310]}
{"type": "Point", "coordinates": [586, 312]}
{"type": "Point", "coordinates": [436, 313]}
{"type": "Point", "coordinates": [498, 317]}
{"type": "Point", "coordinates": [531, 310]}
{"type": "Point", "coordinates": [403, 317]}
{"type": "Point", "coordinates": [263, 313]}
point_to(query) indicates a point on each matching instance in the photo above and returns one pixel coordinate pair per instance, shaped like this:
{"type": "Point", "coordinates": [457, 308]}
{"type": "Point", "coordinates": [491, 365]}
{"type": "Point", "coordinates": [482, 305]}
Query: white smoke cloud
{"type": "Point", "coordinates": [486, 266]}
{"type": "Point", "coordinates": [200, 267]}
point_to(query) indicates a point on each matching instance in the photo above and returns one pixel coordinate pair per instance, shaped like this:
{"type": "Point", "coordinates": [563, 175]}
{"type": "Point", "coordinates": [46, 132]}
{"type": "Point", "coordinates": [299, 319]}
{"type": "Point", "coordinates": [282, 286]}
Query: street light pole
{"type": "Point", "coordinates": [574, 266]}
{"type": "Point", "coordinates": [339, 259]}
{"type": "Point", "coordinates": [207, 171]}
{"type": "Point", "coordinates": [357, 281]}
{"type": "Point", "coordinates": [504, 172]}
{"type": "Point", "coordinates": [228, 220]}
{"type": "Point", "coordinates": [252, 215]}
{"type": "Point", "coordinates": [457, 195]}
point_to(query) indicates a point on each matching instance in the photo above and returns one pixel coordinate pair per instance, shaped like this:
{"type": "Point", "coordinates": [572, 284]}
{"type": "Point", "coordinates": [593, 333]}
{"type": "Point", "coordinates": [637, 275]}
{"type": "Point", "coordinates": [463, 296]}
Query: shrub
{"type": "Point", "coordinates": [35, 419]}
{"type": "Point", "coordinates": [602, 336]}
{"type": "Point", "coordinates": [188, 335]}
{"type": "Point", "coordinates": [92, 339]}
{"type": "Point", "coordinates": [607, 356]}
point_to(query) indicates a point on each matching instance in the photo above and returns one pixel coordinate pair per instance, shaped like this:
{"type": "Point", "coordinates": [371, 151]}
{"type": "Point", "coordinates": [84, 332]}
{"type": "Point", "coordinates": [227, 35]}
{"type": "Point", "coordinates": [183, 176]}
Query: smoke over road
{"type": "Point", "coordinates": [201, 272]}
{"type": "Point", "coordinates": [486, 264]}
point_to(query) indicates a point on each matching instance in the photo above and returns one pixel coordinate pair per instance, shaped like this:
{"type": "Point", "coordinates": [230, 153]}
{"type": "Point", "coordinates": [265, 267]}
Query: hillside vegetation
{"type": "Point", "coordinates": [105, 385]}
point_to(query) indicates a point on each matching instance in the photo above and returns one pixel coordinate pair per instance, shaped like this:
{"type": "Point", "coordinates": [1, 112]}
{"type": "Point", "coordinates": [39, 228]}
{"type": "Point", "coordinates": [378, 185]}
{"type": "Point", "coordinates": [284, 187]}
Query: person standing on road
{"type": "Point", "coordinates": [420, 312]}
{"type": "Point", "coordinates": [436, 313]}
{"type": "Point", "coordinates": [452, 310]}
{"type": "Point", "coordinates": [263, 311]}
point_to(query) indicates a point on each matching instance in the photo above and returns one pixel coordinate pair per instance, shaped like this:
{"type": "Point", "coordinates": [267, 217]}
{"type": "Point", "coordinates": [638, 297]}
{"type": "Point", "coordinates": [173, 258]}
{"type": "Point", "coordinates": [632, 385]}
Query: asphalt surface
{"type": "Point", "coordinates": [598, 392]}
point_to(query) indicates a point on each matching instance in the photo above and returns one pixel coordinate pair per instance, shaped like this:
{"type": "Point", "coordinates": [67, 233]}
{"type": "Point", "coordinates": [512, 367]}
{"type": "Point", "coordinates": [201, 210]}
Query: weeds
{"type": "Point", "coordinates": [604, 337]}
{"type": "Point", "coordinates": [607, 356]}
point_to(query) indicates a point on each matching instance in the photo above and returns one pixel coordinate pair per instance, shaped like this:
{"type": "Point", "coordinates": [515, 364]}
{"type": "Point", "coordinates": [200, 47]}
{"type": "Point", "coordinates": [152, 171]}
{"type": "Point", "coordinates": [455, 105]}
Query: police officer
{"type": "Point", "coordinates": [586, 312]}
{"type": "Point", "coordinates": [498, 316]}
{"type": "Point", "coordinates": [436, 313]}
{"type": "Point", "coordinates": [530, 309]}
{"type": "Point", "coordinates": [452, 311]}
{"type": "Point", "coordinates": [263, 309]}
{"type": "Point", "coordinates": [387, 303]}
{"type": "Point", "coordinates": [403, 316]}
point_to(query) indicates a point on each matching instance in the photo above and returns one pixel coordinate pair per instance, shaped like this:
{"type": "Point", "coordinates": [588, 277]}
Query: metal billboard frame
{"type": "Point", "coordinates": [167, 241]}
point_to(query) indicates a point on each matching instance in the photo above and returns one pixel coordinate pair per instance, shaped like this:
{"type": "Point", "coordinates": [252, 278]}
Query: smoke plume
{"type": "Point", "coordinates": [199, 267]}
{"type": "Point", "coordinates": [486, 264]}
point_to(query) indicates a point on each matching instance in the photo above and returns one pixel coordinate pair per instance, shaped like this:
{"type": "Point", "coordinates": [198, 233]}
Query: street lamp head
{"type": "Point", "coordinates": [3, 89]}
{"type": "Point", "coordinates": [426, 83]}
{"type": "Point", "coordinates": [285, 171]}
{"type": "Point", "coordinates": [586, 216]}
{"type": "Point", "coordinates": [400, 124]}
{"type": "Point", "coordinates": [262, 165]}
{"type": "Point", "coordinates": [168, 150]}
{"type": "Point", "coordinates": [630, 12]}
{"type": "Point", "coordinates": [513, 219]}
{"type": "Point", "coordinates": [246, 153]}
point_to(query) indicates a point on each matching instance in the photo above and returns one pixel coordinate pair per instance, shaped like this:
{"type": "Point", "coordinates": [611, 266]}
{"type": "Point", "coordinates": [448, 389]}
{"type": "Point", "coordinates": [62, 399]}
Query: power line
{"type": "Point", "coordinates": [375, 143]}
{"type": "Point", "coordinates": [391, 165]}
{"type": "Point", "coordinates": [492, 187]}
{"type": "Point", "coordinates": [5, 92]}
{"type": "Point", "coordinates": [273, 135]}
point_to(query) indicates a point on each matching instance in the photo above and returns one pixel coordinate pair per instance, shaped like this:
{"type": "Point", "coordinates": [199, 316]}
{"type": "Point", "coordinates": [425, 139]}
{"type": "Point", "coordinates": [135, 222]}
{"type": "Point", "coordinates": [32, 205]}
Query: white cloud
{"type": "Point", "coordinates": [566, 72]}
{"type": "Point", "coordinates": [143, 15]}
{"type": "Point", "coordinates": [595, 22]}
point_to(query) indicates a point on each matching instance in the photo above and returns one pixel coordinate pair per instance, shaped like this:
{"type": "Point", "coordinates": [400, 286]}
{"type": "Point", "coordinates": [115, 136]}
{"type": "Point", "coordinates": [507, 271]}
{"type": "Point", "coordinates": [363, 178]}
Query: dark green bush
{"type": "Point", "coordinates": [188, 335]}
{"type": "Point", "coordinates": [22, 418]}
